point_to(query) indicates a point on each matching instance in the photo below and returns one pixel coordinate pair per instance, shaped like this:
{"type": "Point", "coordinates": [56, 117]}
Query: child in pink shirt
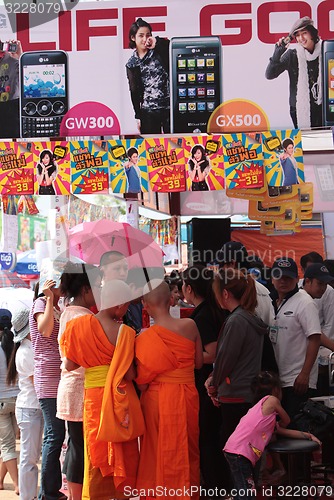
{"type": "Point", "coordinates": [254, 431]}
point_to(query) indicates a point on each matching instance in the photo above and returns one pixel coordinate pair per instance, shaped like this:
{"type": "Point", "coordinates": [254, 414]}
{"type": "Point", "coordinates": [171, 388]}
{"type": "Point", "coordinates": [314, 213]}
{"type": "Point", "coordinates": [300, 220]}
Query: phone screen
{"type": "Point", "coordinates": [44, 81]}
{"type": "Point", "coordinates": [331, 85]}
{"type": "Point", "coordinates": [328, 81]}
{"type": "Point", "coordinates": [196, 82]}
{"type": "Point", "coordinates": [43, 92]}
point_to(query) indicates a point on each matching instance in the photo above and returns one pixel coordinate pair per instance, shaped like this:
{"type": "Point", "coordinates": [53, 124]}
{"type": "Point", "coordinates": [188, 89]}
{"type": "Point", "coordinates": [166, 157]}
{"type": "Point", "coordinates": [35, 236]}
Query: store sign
{"type": "Point", "coordinates": [7, 261]}
{"type": "Point", "coordinates": [80, 78]}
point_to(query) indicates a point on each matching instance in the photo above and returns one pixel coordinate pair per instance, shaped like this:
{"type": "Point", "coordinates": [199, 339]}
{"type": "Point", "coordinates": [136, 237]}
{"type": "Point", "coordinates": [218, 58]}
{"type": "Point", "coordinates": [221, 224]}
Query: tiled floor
{"type": "Point", "coordinates": [265, 492]}
{"type": "Point", "coordinates": [8, 492]}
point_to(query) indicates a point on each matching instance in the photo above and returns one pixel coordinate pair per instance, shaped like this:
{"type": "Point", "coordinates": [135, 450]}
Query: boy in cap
{"type": "Point", "coordinates": [295, 335]}
{"type": "Point", "coordinates": [302, 62]}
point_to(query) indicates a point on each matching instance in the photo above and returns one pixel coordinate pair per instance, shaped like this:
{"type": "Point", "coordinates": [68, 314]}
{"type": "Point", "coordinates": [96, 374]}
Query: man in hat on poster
{"type": "Point", "coordinates": [302, 61]}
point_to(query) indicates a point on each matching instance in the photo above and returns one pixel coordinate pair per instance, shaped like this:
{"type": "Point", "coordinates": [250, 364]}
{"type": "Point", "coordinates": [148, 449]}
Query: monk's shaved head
{"type": "Point", "coordinates": [156, 293]}
{"type": "Point", "coordinates": [115, 293]}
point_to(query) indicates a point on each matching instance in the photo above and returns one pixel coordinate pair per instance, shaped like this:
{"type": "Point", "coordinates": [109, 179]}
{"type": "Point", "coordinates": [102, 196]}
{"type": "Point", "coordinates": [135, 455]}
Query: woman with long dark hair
{"type": "Point", "coordinates": [209, 318]}
{"type": "Point", "coordinates": [199, 167]}
{"type": "Point", "coordinates": [8, 394]}
{"type": "Point", "coordinates": [148, 74]}
{"type": "Point", "coordinates": [239, 351]}
{"type": "Point", "coordinates": [46, 172]}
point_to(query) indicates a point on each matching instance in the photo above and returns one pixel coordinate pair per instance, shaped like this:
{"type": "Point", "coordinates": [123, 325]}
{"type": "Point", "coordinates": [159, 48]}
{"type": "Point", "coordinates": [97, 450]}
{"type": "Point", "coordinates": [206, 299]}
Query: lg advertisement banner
{"type": "Point", "coordinates": [144, 67]}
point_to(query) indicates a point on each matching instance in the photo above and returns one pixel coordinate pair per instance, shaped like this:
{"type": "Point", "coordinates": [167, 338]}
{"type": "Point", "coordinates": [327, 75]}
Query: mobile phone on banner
{"type": "Point", "coordinates": [43, 92]}
{"type": "Point", "coordinates": [196, 82]}
{"type": "Point", "coordinates": [328, 81]}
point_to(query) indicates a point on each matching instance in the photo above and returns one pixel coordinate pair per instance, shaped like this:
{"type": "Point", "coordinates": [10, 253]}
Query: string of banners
{"type": "Point", "coordinates": [240, 163]}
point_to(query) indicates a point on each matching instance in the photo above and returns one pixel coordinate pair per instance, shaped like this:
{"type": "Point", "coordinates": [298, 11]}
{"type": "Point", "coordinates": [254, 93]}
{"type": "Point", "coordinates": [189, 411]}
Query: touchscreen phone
{"type": "Point", "coordinates": [196, 82]}
{"type": "Point", "coordinates": [328, 81]}
{"type": "Point", "coordinates": [43, 92]}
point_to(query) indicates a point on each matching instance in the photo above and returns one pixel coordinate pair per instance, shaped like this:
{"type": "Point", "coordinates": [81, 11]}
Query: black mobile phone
{"type": "Point", "coordinates": [43, 92]}
{"type": "Point", "coordinates": [328, 81]}
{"type": "Point", "coordinates": [8, 46]}
{"type": "Point", "coordinates": [196, 82]}
{"type": "Point", "coordinates": [274, 191]}
{"type": "Point", "coordinates": [273, 143]}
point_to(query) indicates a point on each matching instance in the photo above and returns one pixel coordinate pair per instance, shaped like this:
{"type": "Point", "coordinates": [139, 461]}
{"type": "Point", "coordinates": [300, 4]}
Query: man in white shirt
{"type": "Point", "coordinates": [325, 303]}
{"type": "Point", "coordinates": [295, 335]}
{"type": "Point", "coordinates": [315, 283]}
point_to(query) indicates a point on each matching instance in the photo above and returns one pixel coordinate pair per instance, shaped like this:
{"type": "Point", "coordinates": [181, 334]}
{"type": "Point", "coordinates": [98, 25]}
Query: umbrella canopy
{"type": "Point", "coordinates": [8, 279]}
{"type": "Point", "coordinates": [27, 263]}
{"type": "Point", "coordinates": [90, 240]}
{"type": "Point", "coordinates": [15, 298]}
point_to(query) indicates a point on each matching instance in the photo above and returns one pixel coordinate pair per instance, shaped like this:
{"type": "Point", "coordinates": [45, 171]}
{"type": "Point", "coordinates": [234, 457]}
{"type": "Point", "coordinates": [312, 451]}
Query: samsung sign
{"type": "Point", "coordinates": [7, 261]}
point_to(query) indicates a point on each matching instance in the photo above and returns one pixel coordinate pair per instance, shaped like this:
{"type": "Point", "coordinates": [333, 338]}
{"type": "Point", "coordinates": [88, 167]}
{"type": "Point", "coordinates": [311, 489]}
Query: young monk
{"type": "Point", "coordinates": [112, 415]}
{"type": "Point", "coordinates": [166, 355]}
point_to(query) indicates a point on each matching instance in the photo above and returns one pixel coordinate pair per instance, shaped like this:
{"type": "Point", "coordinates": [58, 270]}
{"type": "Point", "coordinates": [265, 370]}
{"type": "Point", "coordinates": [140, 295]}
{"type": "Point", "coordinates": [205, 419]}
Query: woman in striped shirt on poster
{"type": "Point", "coordinates": [44, 328]}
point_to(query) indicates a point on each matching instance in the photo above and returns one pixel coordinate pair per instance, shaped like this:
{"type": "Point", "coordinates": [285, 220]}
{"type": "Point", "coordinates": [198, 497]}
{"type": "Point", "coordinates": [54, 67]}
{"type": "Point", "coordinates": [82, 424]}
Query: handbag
{"type": "Point", "coordinates": [314, 417]}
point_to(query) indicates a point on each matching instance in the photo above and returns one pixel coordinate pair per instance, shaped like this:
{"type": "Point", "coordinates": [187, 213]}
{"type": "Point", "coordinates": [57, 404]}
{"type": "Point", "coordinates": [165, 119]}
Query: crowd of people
{"type": "Point", "coordinates": [179, 404]}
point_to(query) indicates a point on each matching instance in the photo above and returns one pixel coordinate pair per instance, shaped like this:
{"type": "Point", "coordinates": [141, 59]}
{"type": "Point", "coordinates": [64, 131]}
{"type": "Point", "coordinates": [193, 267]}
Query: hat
{"type": "Point", "coordinates": [20, 324]}
{"type": "Point", "coordinates": [284, 267]}
{"type": "Point", "coordinates": [318, 271]}
{"type": "Point", "coordinates": [5, 319]}
{"type": "Point", "coordinates": [301, 24]}
{"type": "Point", "coordinates": [232, 250]}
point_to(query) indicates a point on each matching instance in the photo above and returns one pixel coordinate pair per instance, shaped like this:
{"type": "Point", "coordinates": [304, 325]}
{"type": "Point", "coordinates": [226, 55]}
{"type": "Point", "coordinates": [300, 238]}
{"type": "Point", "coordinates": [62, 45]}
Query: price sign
{"type": "Point", "coordinates": [16, 169]}
{"type": "Point", "coordinates": [89, 167]}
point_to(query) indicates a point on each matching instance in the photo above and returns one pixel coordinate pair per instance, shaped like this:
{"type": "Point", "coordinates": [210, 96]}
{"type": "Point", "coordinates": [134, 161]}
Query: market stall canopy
{"type": "Point", "coordinates": [15, 298]}
{"type": "Point", "coordinates": [9, 279]}
{"type": "Point", "coordinates": [27, 263]}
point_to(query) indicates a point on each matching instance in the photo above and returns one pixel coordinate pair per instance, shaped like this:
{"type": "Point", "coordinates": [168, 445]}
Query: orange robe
{"type": "Point", "coordinates": [109, 407]}
{"type": "Point", "coordinates": [169, 455]}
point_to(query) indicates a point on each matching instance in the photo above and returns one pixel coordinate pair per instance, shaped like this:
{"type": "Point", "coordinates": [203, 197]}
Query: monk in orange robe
{"type": "Point", "coordinates": [166, 355]}
{"type": "Point", "coordinates": [112, 415]}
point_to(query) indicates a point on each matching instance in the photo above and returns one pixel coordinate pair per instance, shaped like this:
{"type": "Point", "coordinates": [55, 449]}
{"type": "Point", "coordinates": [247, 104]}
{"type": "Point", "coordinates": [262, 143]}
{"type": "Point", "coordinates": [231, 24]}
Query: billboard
{"type": "Point", "coordinates": [193, 66]}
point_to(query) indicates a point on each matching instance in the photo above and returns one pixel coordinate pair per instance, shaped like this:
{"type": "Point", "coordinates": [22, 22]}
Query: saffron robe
{"type": "Point", "coordinates": [109, 466]}
{"type": "Point", "coordinates": [169, 455]}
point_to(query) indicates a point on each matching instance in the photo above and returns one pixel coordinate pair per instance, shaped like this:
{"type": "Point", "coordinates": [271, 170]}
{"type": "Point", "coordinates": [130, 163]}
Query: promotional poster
{"type": "Point", "coordinates": [52, 167]}
{"type": "Point", "coordinates": [143, 67]}
{"type": "Point", "coordinates": [166, 166]}
{"type": "Point", "coordinates": [16, 169]}
{"type": "Point", "coordinates": [243, 162]}
{"type": "Point", "coordinates": [89, 167]}
{"type": "Point", "coordinates": [205, 163]}
{"type": "Point", "coordinates": [283, 157]}
{"type": "Point", "coordinates": [128, 166]}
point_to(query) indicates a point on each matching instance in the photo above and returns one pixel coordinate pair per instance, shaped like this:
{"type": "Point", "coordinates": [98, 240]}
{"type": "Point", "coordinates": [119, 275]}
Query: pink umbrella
{"type": "Point", "coordinates": [90, 240]}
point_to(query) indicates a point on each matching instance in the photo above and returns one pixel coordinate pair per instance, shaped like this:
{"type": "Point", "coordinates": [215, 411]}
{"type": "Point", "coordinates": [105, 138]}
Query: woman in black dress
{"type": "Point", "coordinates": [209, 318]}
{"type": "Point", "coordinates": [46, 172]}
{"type": "Point", "coordinates": [199, 167]}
